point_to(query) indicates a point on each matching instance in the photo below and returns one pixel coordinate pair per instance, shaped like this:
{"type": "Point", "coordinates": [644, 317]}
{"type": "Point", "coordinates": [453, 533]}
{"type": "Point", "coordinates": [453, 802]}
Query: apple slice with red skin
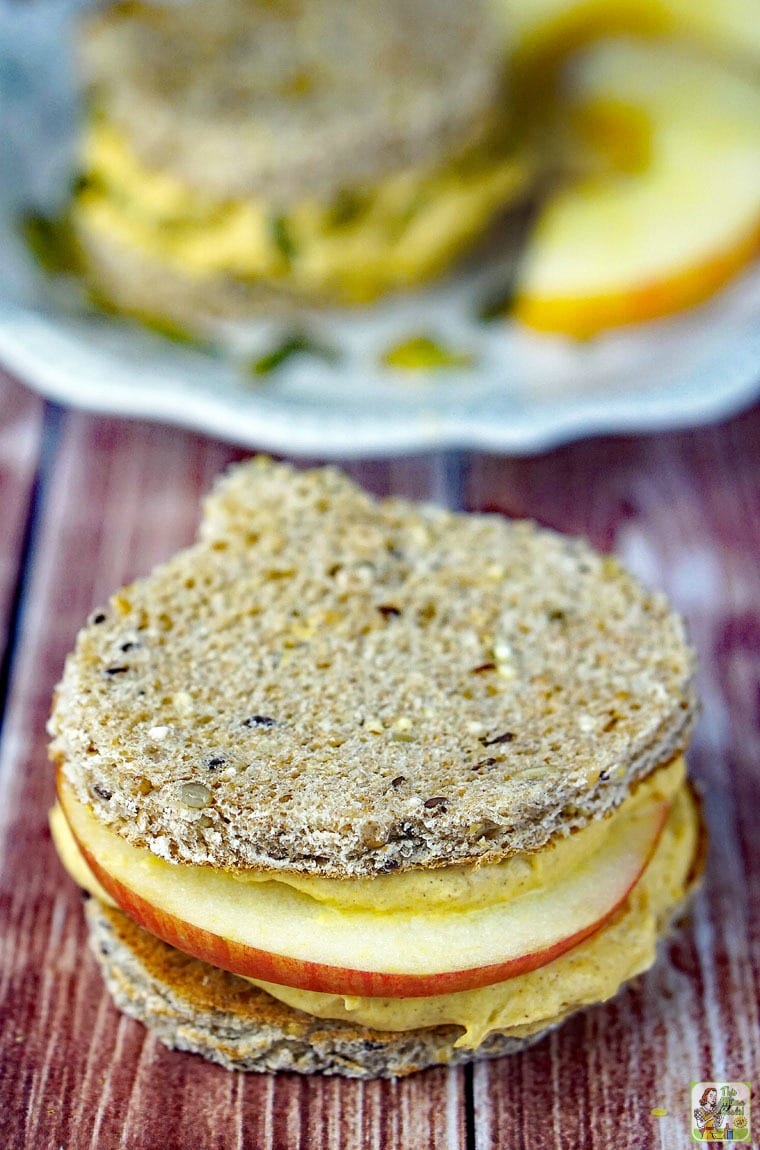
{"type": "Point", "coordinates": [518, 936]}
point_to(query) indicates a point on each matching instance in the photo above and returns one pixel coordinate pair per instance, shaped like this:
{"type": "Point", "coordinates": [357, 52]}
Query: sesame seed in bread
{"type": "Point", "coordinates": [337, 686]}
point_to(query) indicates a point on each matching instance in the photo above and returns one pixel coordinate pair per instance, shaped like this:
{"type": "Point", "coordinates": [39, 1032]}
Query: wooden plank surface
{"type": "Point", "coordinates": [118, 498]}
{"type": "Point", "coordinates": [683, 512]}
{"type": "Point", "coordinates": [115, 497]}
{"type": "Point", "coordinates": [21, 426]}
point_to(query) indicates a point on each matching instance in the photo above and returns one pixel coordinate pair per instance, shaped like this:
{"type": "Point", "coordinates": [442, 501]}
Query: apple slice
{"type": "Point", "coordinates": [727, 26]}
{"type": "Point", "coordinates": [671, 207]}
{"type": "Point", "coordinates": [267, 930]}
{"type": "Point", "coordinates": [541, 33]}
{"type": "Point", "coordinates": [544, 30]}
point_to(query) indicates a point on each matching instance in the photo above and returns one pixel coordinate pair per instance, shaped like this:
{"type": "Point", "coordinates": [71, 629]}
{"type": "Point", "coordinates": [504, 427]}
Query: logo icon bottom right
{"type": "Point", "coordinates": [720, 1112]}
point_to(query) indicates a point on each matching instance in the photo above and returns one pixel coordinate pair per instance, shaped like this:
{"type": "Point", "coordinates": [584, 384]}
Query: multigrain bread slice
{"type": "Point", "coordinates": [201, 1009]}
{"type": "Point", "coordinates": [336, 686]}
{"type": "Point", "coordinates": [280, 100]}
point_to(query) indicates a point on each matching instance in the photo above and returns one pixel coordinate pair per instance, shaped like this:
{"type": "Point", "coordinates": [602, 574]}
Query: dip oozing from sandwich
{"type": "Point", "coordinates": [328, 151]}
{"type": "Point", "coordinates": [408, 784]}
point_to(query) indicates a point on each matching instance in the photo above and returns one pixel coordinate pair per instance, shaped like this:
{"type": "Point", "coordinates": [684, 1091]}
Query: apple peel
{"type": "Point", "coordinates": [268, 931]}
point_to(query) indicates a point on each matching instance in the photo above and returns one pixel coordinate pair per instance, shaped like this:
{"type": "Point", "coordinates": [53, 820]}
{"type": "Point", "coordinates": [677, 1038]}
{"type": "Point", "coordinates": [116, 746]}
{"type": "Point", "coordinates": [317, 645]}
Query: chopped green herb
{"type": "Point", "coordinates": [171, 331]}
{"type": "Point", "coordinates": [497, 304]}
{"type": "Point", "coordinates": [297, 343]}
{"type": "Point", "coordinates": [346, 208]}
{"type": "Point", "coordinates": [99, 301]}
{"type": "Point", "coordinates": [159, 325]}
{"type": "Point", "coordinates": [396, 225]}
{"type": "Point", "coordinates": [282, 238]}
{"type": "Point", "coordinates": [421, 353]}
{"type": "Point", "coordinates": [50, 241]}
{"type": "Point", "coordinates": [82, 183]}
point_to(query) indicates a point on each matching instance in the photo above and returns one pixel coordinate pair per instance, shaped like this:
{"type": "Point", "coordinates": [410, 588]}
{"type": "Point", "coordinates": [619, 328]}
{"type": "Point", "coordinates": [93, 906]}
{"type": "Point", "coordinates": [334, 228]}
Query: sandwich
{"type": "Point", "coordinates": [240, 155]}
{"type": "Point", "coordinates": [362, 787]}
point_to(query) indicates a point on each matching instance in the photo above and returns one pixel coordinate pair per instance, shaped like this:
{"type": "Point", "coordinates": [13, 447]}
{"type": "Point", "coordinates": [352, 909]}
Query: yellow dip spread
{"type": "Point", "coordinates": [591, 971]}
{"type": "Point", "coordinates": [404, 229]}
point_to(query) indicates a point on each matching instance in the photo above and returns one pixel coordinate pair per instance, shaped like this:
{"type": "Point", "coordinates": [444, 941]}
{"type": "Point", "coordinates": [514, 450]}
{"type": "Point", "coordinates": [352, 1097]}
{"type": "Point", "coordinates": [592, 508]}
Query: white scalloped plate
{"type": "Point", "coordinates": [525, 392]}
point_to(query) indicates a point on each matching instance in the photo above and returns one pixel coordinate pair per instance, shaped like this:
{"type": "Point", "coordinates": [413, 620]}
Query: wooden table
{"type": "Point", "coordinates": [87, 503]}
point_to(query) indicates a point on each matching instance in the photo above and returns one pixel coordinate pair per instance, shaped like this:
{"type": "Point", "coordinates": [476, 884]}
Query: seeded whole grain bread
{"type": "Point", "coordinates": [332, 685]}
{"type": "Point", "coordinates": [241, 98]}
{"type": "Point", "coordinates": [198, 1008]}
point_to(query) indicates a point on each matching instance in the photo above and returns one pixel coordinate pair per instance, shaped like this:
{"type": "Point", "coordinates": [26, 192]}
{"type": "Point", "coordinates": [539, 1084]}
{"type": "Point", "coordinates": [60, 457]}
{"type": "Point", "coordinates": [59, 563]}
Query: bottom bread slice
{"type": "Point", "coordinates": [192, 1006]}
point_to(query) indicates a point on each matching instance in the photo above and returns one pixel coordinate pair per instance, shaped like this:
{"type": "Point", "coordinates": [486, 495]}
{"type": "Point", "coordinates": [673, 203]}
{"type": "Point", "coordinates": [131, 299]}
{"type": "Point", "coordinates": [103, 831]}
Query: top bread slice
{"type": "Point", "coordinates": [294, 100]}
{"type": "Point", "coordinates": [332, 685]}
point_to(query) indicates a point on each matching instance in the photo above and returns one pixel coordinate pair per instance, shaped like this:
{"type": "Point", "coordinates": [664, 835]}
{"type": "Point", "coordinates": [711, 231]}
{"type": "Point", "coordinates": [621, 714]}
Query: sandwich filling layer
{"type": "Point", "coordinates": [589, 970]}
{"type": "Point", "coordinates": [405, 228]}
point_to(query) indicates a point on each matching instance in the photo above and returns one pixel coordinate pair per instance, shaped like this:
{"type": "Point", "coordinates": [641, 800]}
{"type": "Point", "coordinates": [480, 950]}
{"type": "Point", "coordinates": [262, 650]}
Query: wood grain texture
{"type": "Point", "coordinates": [114, 498]}
{"type": "Point", "coordinates": [20, 441]}
{"type": "Point", "coordinates": [118, 498]}
{"type": "Point", "coordinates": [683, 511]}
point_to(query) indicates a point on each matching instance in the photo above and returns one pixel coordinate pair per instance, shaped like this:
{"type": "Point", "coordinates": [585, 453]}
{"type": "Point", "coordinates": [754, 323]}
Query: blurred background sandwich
{"type": "Point", "coordinates": [240, 156]}
{"type": "Point", "coordinates": [311, 148]}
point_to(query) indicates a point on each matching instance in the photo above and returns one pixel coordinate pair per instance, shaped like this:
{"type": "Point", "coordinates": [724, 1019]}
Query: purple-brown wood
{"type": "Point", "coordinates": [120, 497]}
{"type": "Point", "coordinates": [684, 511]}
{"type": "Point", "coordinates": [20, 438]}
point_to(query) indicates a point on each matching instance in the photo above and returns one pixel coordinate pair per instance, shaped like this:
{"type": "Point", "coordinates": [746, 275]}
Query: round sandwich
{"type": "Point", "coordinates": [361, 787]}
{"type": "Point", "coordinates": [241, 152]}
